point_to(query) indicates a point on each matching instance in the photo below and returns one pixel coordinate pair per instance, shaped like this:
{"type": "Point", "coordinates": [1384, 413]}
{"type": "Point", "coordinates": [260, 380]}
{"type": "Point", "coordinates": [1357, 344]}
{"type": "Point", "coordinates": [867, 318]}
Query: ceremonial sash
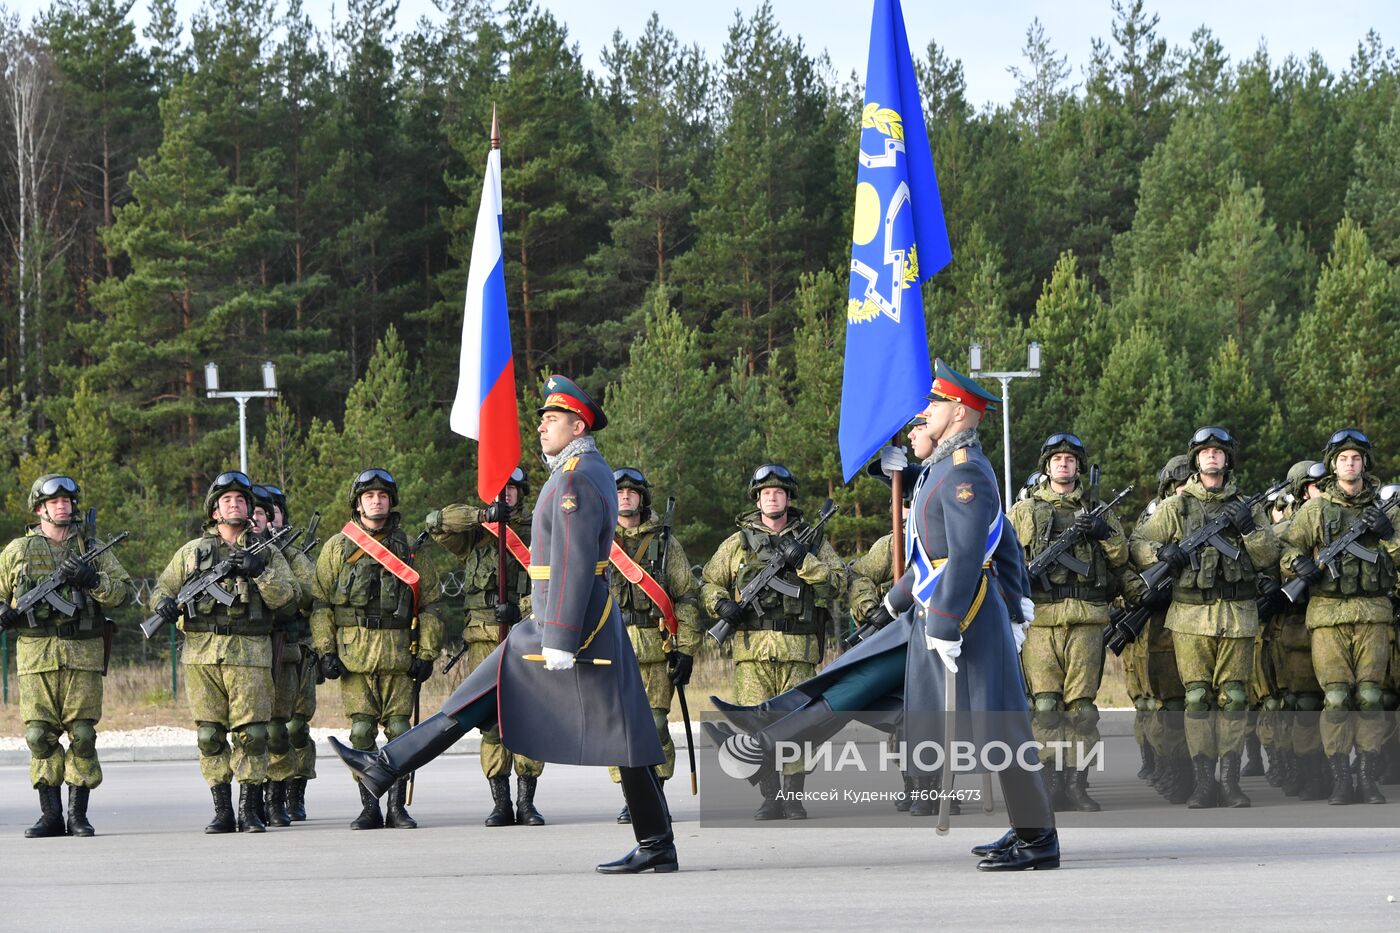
{"type": "Point", "coordinates": [513, 543]}
{"type": "Point", "coordinates": [384, 558]}
{"type": "Point", "coordinates": [634, 573]}
{"type": "Point", "coordinates": [928, 570]}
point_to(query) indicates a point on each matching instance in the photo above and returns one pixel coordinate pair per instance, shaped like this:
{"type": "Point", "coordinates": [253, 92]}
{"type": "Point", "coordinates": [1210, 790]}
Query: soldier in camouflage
{"type": "Point", "coordinates": [461, 528]}
{"type": "Point", "coordinates": [666, 660]}
{"type": "Point", "coordinates": [363, 626]}
{"type": "Point", "coordinates": [778, 641]}
{"type": "Point", "coordinates": [291, 752]}
{"type": "Point", "coordinates": [1063, 653]}
{"type": "Point", "coordinates": [1349, 614]}
{"type": "Point", "coordinates": [228, 649]}
{"type": "Point", "coordinates": [60, 656]}
{"type": "Point", "coordinates": [1213, 617]}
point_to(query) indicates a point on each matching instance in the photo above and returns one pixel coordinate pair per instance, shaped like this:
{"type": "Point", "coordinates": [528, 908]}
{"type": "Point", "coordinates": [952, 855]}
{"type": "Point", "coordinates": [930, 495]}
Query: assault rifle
{"type": "Point", "coordinates": [768, 576]}
{"type": "Point", "coordinates": [206, 583]}
{"type": "Point", "coordinates": [1059, 550]}
{"type": "Point", "coordinates": [1330, 557]}
{"type": "Point", "coordinates": [311, 539]}
{"type": "Point", "coordinates": [47, 591]}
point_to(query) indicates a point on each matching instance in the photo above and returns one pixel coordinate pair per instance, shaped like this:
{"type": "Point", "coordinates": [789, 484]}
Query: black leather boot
{"type": "Point", "coordinates": [502, 810]}
{"type": "Point", "coordinates": [1342, 792]}
{"type": "Point", "coordinates": [771, 808]}
{"type": "Point", "coordinates": [1005, 842]}
{"type": "Point", "coordinates": [1254, 757]}
{"type": "Point", "coordinates": [525, 812]}
{"type": "Point", "coordinates": [1034, 849]}
{"type": "Point", "coordinates": [410, 751]}
{"type": "Point", "coordinates": [1367, 785]}
{"type": "Point", "coordinates": [50, 822]}
{"type": "Point", "coordinates": [78, 824]}
{"type": "Point", "coordinates": [1204, 796]}
{"type": "Point", "coordinates": [1289, 780]}
{"type": "Point", "coordinates": [1149, 760]}
{"type": "Point", "coordinates": [260, 805]}
{"type": "Point", "coordinates": [1230, 793]}
{"type": "Point", "coordinates": [903, 803]}
{"type": "Point", "coordinates": [370, 817]}
{"type": "Point", "coordinates": [1184, 784]}
{"type": "Point", "coordinates": [1077, 790]}
{"type": "Point", "coordinates": [249, 796]}
{"type": "Point", "coordinates": [651, 824]}
{"type": "Point", "coordinates": [624, 816]}
{"type": "Point", "coordinates": [925, 797]}
{"type": "Point", "coordinates": [395, 816]}
{"type": "Point", "coordinates": [1314, 777]}
{"type": "Point", "coordinates": [1059, 792]}
{"type": "Point", "coordinates": [276, 804]}
{"type": "Point", "coordinates": [793, 807]}
{"type": "Point", "coordinates": [223, 810]}
{"type": "Point", "coordinates": [756, 752]}
{"type": "Point", "coordinates": [1273, 774]}
{"type": "Point", "coordinates": [296, 800]}
{"type": "Point", "coordinates": [1161, 770]}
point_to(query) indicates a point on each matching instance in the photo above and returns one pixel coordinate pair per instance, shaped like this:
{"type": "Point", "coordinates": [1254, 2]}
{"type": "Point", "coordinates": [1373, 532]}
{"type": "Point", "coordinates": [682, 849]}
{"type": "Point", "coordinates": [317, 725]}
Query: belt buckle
{"type": "Point", "coordinates": [374, 622]}
{"type": "Point", "coordinates": [223, 629]}
{"type": "Point", "coordinates": [67, 629]}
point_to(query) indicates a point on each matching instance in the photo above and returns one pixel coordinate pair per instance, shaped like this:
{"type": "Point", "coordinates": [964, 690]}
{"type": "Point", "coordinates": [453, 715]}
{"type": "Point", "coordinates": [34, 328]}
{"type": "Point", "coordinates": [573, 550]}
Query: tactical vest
{"type": "Point", "coordinates": [772, 611]}
{"type": "Point", "coordinates": [41, 559]}
{"type": "Point", "coordinates": [1049, 524]}
{"type": "Point", "coordinates": [1358, 577]}
{"type": "Point", "coordinates": [289, 618]}
{"type": "Point", "coordinates": [636, 606]}
{"type": "Point", "coordinates": [1219, 577]}
{"type": "Point", "coordinates": [482, 591]}
{"type": "Point", "coordinates": [247, 615]}
{"type": "Point", "coordinates": [368, 595]}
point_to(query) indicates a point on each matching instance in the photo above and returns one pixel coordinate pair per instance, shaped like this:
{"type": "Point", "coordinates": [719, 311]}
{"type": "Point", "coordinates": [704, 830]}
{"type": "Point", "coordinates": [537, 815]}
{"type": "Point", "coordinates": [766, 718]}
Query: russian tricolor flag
{"type": "Point", "coordinates": [485, 405]}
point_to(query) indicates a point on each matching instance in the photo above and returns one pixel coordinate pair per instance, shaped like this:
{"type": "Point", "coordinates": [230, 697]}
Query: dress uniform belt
{"type": "Point", "coordinates": [937, 562]}
{"type": "Point", "coordinates": [541, 571]}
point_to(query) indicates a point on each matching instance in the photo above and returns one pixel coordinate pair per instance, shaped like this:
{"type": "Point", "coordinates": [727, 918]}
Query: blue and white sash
{"type": "Point", "coordinates": [927, 570]}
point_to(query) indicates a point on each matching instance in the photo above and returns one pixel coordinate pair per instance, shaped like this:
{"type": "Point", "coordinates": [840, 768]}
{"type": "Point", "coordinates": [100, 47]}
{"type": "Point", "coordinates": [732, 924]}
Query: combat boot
{"type": "Point", "coordinates": [223, 810]}
{"type": "Point", "coordinates": [249, 795]}
{"type": "Point", "coordinates": [1367, 789]}
{"type": "Point", "coordinates": [1342, 792]}
{"type": "Point", "coordinates": [1077, 790]}
{"type": "Point", "coordinates": [772, 807]}
{"type": "Point", "coordinates": [502, 810]}
{"type": "Point", "coordinates": [1254, 757]}
{"type": "Point", "coordinates": [907, 800]}
{"type": "Point", "coordinates": [1205, 794]}
{"type": "Point", "coordinates": [525, 812]}
{"type": "Point", "coordinates": [1313, 777]}
{"type": "Point", "coordinates": [925, 797]}
{"type": "Point", "coordinates": [1230, 771]}
{"type": "Point", "coordinates": [50, 822]}
{"type": "Point", "coordinates": [276, 804]}
{"type": "Point", "coordinates": [296, 800]}
{"type": "Point", "coordinates": [78, 824]}
{"type": "Point", "coordinates": [1273, 774]}
{"type": "Point", "coordinates": [1149, 760]}
{"type": "Point", "coordinates": [793, 808]}
{"type": "Point", "coordinates": [260, 806]}
{"type": "Point", "coordinates": [1289, 780]}
{"type": "Point", "coordinates": [1183, 783]}
{"type": "Point", "coordinates": [370, 817]}
{"type": "Point", "coordinates": [395, 816]}
{"type": "Point", "coordinates": [1059, 798]}
{"type": "Point", "coordinates": [1161, 771]}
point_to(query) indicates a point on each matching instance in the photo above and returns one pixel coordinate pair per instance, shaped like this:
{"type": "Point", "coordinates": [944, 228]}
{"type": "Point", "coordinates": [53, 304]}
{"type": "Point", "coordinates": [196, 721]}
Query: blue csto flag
{"type": "Point", "coordinates": [898, 240]}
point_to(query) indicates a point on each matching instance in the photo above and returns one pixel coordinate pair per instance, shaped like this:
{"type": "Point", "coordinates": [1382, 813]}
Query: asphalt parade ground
{"type": "Point", "coordinates": [151, 868]}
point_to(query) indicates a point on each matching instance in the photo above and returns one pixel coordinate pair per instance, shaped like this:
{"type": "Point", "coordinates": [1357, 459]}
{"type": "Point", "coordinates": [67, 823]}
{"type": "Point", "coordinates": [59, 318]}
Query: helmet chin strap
{"type": "Point", "coordinates": [232, 522]}
{"type": "Point", "coordinates": [628, 513]}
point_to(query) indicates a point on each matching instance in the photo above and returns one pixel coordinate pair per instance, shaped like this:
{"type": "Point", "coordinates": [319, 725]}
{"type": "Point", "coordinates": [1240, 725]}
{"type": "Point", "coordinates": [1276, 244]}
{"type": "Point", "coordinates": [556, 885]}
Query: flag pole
{"type": "Point", "coordinates": [897, 519]}
{"type": "Point", "coordinates": [501, 630]}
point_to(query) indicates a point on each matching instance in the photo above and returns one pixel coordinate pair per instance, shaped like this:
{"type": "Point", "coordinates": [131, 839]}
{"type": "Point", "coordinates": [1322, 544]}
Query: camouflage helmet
{"type": "Point", "coordinates": [52, 486]}
{"type": "Point", "coordinates": [772, 474]}
{"type": "Point", "coordinates": [225, 482]}
{"type": "Point", "coordinates": [262, 499]}
{"type": "Point", "coordinates": [279, 499]}
{"type": "Point", "coordinates": [1347, 439]}
{"type": "Point", "coordinates": [520, 480]}
{"type": "Point", "coordinates": [633, 478]}
{"type": "Point", "coordinates": [373, 478]}
{"type": "Point", "coordinates": [1303, 474]}
{"type": "Point", "coordinates": [1066, 443]}
{"type": "Point", "coordinates": [1212, 436]}
{"type": "Point", "coordinates": [1032, 481]}
{"type": "Point", "coordinates": [1176, 471]}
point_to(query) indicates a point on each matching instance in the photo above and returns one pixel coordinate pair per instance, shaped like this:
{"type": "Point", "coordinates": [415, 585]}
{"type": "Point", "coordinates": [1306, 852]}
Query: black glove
{"type": "Point", "coordinates": [1266, 586]}
{"type": "Point", "coordinates": [1305, 568]}
{"type": "Point", "coordinates": [678, 667]}
{"type": "Point", "coordinates": [420, 669]}
{"type": "Point", "coordinates": [507, 614]}
{"type": "Point", "coordinates": [331, 668]}
{"type": "Point", "coordinates": [492, 513]}
{"type": "Point", "coordinates": [1240, 516]}
{"type": "Point", "coordinates": [1173, 556]}
{"type": "Point", "coordinates": [9, 618]}
{"type": "Point", "coordinates": [79, 572]}
{"type": "Point", "coordinates": [1379, 522]}
{"type": "Point", "coordinates": [1093, 526]}
{"type": "Point", "coordinates": [794, 552]}
{"type": "Point", "coordinates": [168, 609]}
{"type": "Point", "coordinates": [879, 616]}
{"type": "Point", "coordinates": [248, 563]}
{"type": "Point", "coordinates": [729, 610]}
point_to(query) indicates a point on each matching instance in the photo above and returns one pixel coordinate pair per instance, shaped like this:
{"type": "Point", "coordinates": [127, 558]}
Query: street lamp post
{"type": "Point", "coordinates": [1031, 371]}
{"type": "Point", "coordinates": [269, 390]}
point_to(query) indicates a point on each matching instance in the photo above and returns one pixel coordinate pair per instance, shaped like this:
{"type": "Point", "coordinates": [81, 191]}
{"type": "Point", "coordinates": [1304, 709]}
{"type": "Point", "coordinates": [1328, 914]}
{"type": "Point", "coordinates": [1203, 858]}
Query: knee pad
{"type": "Point", "coordinates": [41, 737]}
{"type": "Point", "coordinates": [82, 738]}
{"type": "Point", "coordinates": [1273, 704]}
{"type": "Point", "coordinates": [363, 730]}
{"type": "Point", "coordinates": [1337, 696]}
{"type": "Point", "coordinates": [1143, 704]}
{"type": "Point", "coordinates": [210, 739]}
{"type": "Point", "coordinates": [1197, 697]}
{"type": "Point", "coordinates": [1308, 702]}
{"type": "Point", "coordinates": [1368, 697]}
{"type": "Point", "coordinates": [1084, 715]}
{"type": "Point", "coordinates": [1049, 702]}
{"type": "Point", "coordinates": [253, 738]}
{"type": "Point", "coordinates": [277, 741]}
{"type": "Point", "coordinates": [298, 732]}
{"type": "Point", "coordinates": [1236, 697]}
{"type": "Point", "coordinates": [396, 726]}
{"type": "Point", "coordinates": [1174, 705]}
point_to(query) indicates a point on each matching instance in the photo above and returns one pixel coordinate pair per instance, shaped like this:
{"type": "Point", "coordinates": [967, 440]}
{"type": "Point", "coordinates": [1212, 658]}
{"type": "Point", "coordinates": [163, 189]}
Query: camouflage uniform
{"type": "Point", "coordinates": [293, 753]}
{"type": "Point", "coordinates": [872, 575]}
{"type": "Point", "coordinates": [1297, 737]}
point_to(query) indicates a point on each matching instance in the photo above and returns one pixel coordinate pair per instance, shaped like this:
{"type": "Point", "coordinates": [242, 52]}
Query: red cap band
{"type": "Point", "coordinates": [571, 404]}
{"type": "Point", "coordinates": [956, 393]}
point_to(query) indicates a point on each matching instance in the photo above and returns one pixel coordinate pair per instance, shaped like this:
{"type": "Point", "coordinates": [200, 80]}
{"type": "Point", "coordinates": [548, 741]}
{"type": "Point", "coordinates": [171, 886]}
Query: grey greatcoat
{"type": "Point", "coordinates": [592, 714]}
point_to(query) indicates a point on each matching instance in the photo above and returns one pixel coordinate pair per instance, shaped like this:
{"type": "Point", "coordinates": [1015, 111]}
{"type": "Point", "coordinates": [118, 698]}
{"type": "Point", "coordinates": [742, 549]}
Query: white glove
{"type": "Point", "coordinates": [1018, 631]}
{"type": "Point", "coordinates": [893, 460]}
{"type": "Point", "coordinates": [947, 650]}
{"type": "Point", "coordinates": [557, 659]}
{"type": "Point", "coordinates": [1027, 610]}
